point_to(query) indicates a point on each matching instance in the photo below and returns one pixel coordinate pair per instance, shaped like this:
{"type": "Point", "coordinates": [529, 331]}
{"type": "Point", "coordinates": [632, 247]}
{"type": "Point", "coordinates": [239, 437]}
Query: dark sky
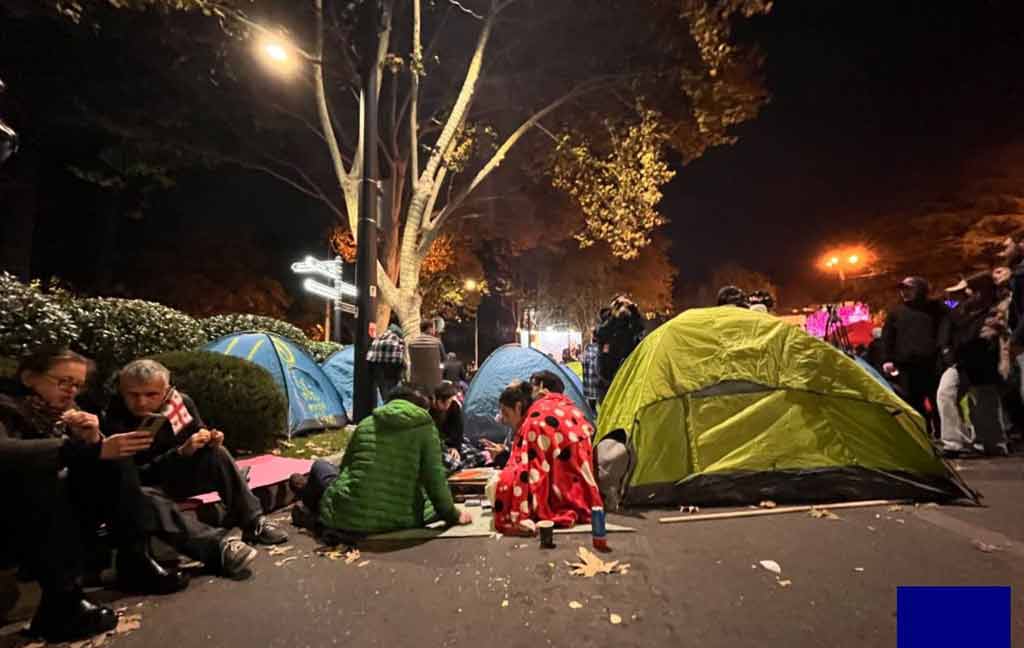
{"type": "Point", "coordinates": [875, 105]}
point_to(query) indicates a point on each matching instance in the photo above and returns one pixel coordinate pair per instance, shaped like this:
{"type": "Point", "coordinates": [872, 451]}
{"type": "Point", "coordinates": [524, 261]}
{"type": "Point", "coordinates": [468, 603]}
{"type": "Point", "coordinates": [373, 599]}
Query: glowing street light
{"type": "Point", "coordinates": [843, 261]}
{"type": "Point", "coordinates": [472, 285]}
{"type": "Point", "coordinates": [278, 54]}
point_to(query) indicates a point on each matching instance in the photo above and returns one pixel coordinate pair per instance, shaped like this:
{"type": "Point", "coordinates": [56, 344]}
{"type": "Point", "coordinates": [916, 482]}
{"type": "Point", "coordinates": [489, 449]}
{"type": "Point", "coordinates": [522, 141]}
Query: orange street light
{"type": "Point", "coordinates": [471, 285]}
{"type": "Point", "coordinates": [278, 53]}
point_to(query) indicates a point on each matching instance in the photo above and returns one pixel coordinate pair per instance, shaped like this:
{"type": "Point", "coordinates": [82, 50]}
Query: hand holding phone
{"type": "Point", "coordinates": [153, 423]}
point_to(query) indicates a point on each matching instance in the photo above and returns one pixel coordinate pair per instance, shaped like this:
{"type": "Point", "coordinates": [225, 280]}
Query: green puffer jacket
{"type": "Point", "coordinates": [392, 476]}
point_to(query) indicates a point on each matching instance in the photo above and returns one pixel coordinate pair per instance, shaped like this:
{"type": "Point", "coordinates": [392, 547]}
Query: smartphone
{"type": "Point", "coordinates": [153, 423]}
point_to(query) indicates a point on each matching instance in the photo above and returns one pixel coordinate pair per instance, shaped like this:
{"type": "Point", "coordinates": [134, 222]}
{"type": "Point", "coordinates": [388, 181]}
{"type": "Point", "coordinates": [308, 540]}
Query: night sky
{"type": "Point", "coordinates": [875, 105]}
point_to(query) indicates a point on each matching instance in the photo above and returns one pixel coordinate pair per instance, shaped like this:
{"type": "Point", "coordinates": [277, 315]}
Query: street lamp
{"type": "Point", "coordinates": [471, 285]}
{"type": "Point", "coordinates": [278, 53]}
{"type": "Point", "coordinates": [846, 261]}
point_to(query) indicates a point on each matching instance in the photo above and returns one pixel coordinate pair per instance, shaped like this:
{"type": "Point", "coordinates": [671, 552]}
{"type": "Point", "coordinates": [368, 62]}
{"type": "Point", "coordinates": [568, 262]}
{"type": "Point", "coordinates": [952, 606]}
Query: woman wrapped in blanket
{"type": "Point", "coordinates": [550, 471]}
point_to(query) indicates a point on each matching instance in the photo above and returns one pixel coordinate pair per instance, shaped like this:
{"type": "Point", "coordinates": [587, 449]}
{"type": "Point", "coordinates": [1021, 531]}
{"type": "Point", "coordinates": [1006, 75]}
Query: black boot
{"type": "Point", "coordinates": [69, 616]}
{"type": "Point", "coordinates": [137, 572]}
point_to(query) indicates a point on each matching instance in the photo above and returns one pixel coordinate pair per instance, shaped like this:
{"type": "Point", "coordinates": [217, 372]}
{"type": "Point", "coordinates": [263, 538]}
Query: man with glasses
{"type": "Point", "coordinates": [186, 458]}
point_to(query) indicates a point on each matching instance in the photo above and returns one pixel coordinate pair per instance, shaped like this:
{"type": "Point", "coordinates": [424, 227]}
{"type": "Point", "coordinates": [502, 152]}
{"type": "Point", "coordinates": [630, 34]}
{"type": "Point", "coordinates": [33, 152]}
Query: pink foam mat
{"type": "Point", "coordinates": [264, 470]}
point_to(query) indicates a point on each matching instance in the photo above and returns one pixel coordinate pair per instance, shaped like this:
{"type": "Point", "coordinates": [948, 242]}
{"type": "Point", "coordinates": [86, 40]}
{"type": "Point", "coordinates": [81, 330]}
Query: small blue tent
{"type": "Point", "coordinates": [340, 368]}
{"type": "Point", "coordinates": [508, 363]}
{"type": "Point", "coordinates": [313, 402]}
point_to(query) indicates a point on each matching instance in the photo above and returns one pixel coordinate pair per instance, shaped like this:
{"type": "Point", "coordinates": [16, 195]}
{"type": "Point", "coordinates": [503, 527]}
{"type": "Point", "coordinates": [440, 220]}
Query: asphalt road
{"type": "Point", "coordinates": [689, 584]}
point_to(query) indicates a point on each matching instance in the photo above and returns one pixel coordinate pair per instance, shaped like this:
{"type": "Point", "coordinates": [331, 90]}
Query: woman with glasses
{"type": "Point", "coordinates": [63, 479]}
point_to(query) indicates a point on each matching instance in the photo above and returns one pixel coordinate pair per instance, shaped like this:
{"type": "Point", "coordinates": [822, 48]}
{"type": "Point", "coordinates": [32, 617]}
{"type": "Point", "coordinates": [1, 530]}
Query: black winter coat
{"type": "Point", "coordinates": [22, 443]}
{"type": "Point", "coordinates": [911, 332]}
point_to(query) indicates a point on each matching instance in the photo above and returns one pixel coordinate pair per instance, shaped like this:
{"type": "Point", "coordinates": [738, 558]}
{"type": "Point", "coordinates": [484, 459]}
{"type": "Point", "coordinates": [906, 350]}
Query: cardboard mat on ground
{"type": "Point", "coordinates": [480, 528]}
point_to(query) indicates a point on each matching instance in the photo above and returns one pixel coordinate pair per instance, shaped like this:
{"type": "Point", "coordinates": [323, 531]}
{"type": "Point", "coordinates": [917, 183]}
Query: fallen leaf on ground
{"type": "Point", "coordinates": [767, 504]}
{"type": "Point", "coordinates": [280, 551]}
{"type": "Point", "coordinates": [772, 566]}
{"type": "Point", "coordinates": [871, 528]}
{"type": "Point", "coordinates": [504, 603]}
{"type": "Point", "coordinates": [590, 565]}
{"type": "Point", "coordinates": [858, 569]}
{"type": "Point", "coordinates": [985, 547]}
{"type": "Point", "coordinates": [900, 521]}
{"type": "Point", "coordinates": [689, 509]}
{"type": "Point", "coordinates": [930, 505]}
{"type": "Point", "coordinates": [785, 583]}
{"type": "Point", "coordinates": [286, 444]}
{"type": "Point", "coordinates": [282, 563]}
{"type": "Point", "coordinates": [615, 619]}
{"type": "Point", "coordinates": [363, 564]}
{"type": "Point", "coordinates": [352, 556]}
{"type": "Point", "coordinates": [895, 508]}
{"type": "Point", "coordinates": [576, 605]}
{"type": "Point", "coordinates": [823, 513]}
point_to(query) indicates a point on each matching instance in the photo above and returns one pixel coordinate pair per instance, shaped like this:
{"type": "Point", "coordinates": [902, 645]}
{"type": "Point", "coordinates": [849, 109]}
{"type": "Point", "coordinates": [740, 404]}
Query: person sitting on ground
{"type": "Point", "coordinates": [446, 410]}
{"type": "Point", "coordinates": [391, 477]}
{"type": "Point", "coordinates": [541, 383]}
{"type": "Point", "coordinates": [64, 478]}
{"type": "Point", "coordinates": [550, 474]}
{"type": "Point", "coordinates": [186, 458]}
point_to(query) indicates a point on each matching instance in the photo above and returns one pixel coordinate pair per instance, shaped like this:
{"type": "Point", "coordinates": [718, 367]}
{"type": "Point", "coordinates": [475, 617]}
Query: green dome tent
{"type": "Point", "coordinates": [728, 406]}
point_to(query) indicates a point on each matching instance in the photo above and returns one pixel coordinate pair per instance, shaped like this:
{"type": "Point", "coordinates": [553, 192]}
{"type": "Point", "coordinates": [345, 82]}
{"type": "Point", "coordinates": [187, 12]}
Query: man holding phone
{"type": "Point", "coordinates": [185, 458]}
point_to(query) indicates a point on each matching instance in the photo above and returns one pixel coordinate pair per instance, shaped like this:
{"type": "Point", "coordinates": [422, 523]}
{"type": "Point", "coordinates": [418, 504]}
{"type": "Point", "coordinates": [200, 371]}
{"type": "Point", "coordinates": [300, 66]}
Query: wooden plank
{"type": "Point", "coordinates": [781, 510]}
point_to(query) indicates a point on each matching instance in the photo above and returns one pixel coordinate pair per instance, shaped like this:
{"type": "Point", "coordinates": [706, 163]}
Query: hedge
{"type": "Point", "coordinates": [220, 325]}
{"type": "Point", "coordinates": [116, 331]}
{"type": "Point", "coordinates": [29, 318]}
{"type": "Point", "coordinates": [235, 396]}
{"type": "Point", "coordinates": [7, 367]}
{"type": "Point", "coordinates": [322, 350]}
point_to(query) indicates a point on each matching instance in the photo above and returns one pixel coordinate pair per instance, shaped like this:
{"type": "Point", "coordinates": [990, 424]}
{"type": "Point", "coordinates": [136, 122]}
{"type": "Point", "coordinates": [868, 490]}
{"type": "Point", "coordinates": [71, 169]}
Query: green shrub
{"type": "Point", "coordinates": [29, 318]}
{"type": "Point", "coordinates": [117, 331]}
{"type": "Point", "coordinates": [235, 396]}
{"type": "Point", "coordinates": [322, 350]}
{"type": "Point", "coordinates": [220, 325]}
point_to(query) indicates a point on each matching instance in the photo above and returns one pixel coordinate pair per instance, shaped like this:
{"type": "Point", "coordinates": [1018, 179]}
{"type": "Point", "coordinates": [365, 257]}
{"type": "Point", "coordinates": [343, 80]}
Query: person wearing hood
{"type": "Point", "coordinates": [911, 348]}
{"type": "Point", "coordinates": [392, 476]}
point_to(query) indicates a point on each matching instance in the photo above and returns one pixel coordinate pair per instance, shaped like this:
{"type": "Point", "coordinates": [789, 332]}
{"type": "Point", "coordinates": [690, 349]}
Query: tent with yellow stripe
{"type": "Point", "coordinates": [313, 402]}
{"type": "Point", "coordinates": [728, 406]}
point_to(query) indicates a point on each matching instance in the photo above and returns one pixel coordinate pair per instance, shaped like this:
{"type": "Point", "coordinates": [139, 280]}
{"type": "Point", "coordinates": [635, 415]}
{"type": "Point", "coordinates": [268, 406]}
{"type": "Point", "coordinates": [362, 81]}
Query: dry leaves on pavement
{"type": "Point", "coordinates": [823, 514]}
{"type": "Point", "coordinates": [280, 551]}
{"type": "Point", "coordinates": [772, 566]}
{"type": "Point", "coordinates": [985, 547]}
{"type": "Point", "coordinates": [895, 508]}
{"type": "Point", "coordinates": [768, 504]}
{"type": "Point", "coordinates": [590, 565]}
{"type": "Point", "coordinates": [282, 563]}
{"type": "Point", "coordinates": [576, 605]}
{"type": "Point", "coordinates": [126, 623]}
{"type": "Point", "coordinates": [615, 619]}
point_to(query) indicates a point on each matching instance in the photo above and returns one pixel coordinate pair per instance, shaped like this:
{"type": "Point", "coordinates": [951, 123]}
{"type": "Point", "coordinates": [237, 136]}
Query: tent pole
{"type": "Point", "coordinates": [780, 511]}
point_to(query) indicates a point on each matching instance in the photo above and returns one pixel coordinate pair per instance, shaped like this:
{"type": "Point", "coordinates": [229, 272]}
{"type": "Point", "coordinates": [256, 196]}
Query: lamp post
{"type": "Point", "coordinates": [281, 55]}
{"type": "Point", "coordinates": [472, 286]}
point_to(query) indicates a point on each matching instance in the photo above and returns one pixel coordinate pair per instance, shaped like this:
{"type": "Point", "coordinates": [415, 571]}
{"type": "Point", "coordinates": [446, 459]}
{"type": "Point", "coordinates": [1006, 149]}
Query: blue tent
{"type": "Point", "coordinates": [508, 363]}
{"type": "Point", "coordinates": [313, 402]}
{"type": "Point", "coordinates": [866, 366]}
{"type": "Point", "coordinates": [340, 368]}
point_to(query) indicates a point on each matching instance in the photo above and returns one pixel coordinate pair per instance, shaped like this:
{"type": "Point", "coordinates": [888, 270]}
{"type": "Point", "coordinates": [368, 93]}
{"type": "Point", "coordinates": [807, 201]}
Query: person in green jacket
{"type": "Point", "coordinates": [392, 476]}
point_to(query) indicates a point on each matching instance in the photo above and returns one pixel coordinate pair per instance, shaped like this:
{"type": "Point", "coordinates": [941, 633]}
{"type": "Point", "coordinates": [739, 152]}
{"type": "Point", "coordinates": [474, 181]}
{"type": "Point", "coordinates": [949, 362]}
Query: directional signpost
{"type": "Point", "coordinates": [336, 292]}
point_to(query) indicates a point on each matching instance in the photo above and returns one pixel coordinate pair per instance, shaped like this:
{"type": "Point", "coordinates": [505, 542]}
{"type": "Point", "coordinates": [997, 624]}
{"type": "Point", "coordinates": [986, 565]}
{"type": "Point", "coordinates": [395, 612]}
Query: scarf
{"type": "Point", "coordinates": [45, 418]}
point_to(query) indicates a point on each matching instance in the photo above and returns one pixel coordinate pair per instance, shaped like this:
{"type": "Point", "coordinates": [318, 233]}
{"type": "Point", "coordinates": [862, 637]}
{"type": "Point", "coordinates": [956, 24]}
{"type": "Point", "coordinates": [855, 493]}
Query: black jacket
{"type": "Point", "coordinates": [450, 428]}
{"type": "Point", "coordinates": [454, 371]}
{"type": "Point", "coordinates": [22, 443]}
{"type": "Point", "coordinates": [165, 444]}
{"type": "Point", "coordinates": [911, 332]}
{"type": "Point", "coordinates": [616, 338]}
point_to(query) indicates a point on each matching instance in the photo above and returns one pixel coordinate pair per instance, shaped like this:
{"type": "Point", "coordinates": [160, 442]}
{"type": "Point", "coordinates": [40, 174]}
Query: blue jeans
{"type": "Point", "coordinates": [321, 475]}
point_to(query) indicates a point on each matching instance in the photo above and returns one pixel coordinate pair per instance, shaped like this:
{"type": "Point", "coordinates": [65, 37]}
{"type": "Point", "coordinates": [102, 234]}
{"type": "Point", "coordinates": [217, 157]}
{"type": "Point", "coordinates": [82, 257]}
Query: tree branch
{"type": "Point", "coordinates": [327, 127]}
{"type": "Point", "coordinates": [499, 155]}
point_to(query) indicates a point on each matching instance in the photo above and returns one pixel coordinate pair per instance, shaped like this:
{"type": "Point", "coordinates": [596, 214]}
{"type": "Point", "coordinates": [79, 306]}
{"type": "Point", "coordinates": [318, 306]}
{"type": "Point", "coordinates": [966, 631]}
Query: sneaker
{"type": "Point", "coordinates": [235, 557]}
{"type": "Point", "coordinates": [264, 533]}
